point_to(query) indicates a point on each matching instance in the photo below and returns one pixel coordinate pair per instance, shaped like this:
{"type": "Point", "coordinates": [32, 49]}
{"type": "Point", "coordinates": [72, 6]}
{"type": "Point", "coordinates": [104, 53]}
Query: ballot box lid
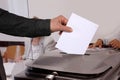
{"type": "Point", "coordinates": [93, 62]}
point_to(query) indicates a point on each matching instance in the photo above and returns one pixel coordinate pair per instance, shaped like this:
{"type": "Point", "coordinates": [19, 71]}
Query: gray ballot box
{"type": "Point", "coordinates": [100, 64]}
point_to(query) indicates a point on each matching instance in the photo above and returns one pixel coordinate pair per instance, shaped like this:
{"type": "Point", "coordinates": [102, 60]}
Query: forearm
{"type": "Point", "coordinates": [19, 26]}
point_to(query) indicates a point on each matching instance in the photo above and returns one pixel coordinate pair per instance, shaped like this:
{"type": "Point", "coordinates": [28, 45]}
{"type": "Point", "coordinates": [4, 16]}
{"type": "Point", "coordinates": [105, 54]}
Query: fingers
{"type": "Point", "coordinates": [98, 43]}
{"type": "Point", "coordinates": [115, 43]}
{"type": "Point", "coordinates": [63, 20]}
{"type": "Point", "coordinates": [65, 28]}
{"type": "Point", "coordinates": [90, 45]}
{"type": "Point", "coordinates": [59, 24]}
{"type": "Point", "coordinates": [100, 46]}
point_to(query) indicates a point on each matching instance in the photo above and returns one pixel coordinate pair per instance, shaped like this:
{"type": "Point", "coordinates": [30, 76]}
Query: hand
{"type": "Point", "coordinates": [59, 24]}
{"type": "Point", "coordinates": [115, 43]}
{"type": "Point", "coordinates": [90, 45]}
{"type": "Point", "coordinates": [98, 43]}
{"type": "Point", "coordinates": [36, 40]}
{"type": "Point", "coordinates": [18, 59]}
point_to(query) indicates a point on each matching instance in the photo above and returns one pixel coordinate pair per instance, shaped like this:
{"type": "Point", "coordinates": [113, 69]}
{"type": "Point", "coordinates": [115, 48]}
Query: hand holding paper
{"type": "Point", "coordinates": [77, 41]}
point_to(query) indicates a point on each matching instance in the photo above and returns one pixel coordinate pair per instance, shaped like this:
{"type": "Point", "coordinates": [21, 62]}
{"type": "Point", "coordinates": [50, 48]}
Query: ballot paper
{"type": "Point", "coordinates": [78, 40]}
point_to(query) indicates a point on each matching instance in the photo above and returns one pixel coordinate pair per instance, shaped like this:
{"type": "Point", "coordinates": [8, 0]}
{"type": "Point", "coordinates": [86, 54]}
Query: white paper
{"type": "Point", "coordinates": [77, 41]}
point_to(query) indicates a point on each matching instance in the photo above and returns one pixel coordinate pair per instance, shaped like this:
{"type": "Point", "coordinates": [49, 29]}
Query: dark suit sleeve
{"type": "Point", "coordinates": [20, 26]}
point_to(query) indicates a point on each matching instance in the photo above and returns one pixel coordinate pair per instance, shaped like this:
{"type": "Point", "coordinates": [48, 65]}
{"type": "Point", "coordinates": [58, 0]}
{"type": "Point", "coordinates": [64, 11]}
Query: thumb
{"type": "Point", "coordinates": [66, 28]}
{"type": "Point", "coordinates": [100, 46]}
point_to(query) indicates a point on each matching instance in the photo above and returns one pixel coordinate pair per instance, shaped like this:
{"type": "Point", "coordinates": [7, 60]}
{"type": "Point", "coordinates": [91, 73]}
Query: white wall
{"type": "Point", "coordinates": [19, 7]}
{"type": "Point", "coordinates": [4, 4]}
{"type": "Point", "coordinates": [105, 13]}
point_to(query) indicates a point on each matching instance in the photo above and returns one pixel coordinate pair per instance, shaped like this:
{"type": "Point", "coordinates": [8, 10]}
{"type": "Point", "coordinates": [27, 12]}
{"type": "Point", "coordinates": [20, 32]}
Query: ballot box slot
{"type": "Point", "coordinates": [44, 72]}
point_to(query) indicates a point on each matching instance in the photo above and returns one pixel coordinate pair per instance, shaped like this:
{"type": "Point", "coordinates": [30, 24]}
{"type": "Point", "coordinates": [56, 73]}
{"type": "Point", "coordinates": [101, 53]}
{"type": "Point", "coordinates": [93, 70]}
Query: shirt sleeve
{"type": "Point", "coordinates": [20, 26]}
